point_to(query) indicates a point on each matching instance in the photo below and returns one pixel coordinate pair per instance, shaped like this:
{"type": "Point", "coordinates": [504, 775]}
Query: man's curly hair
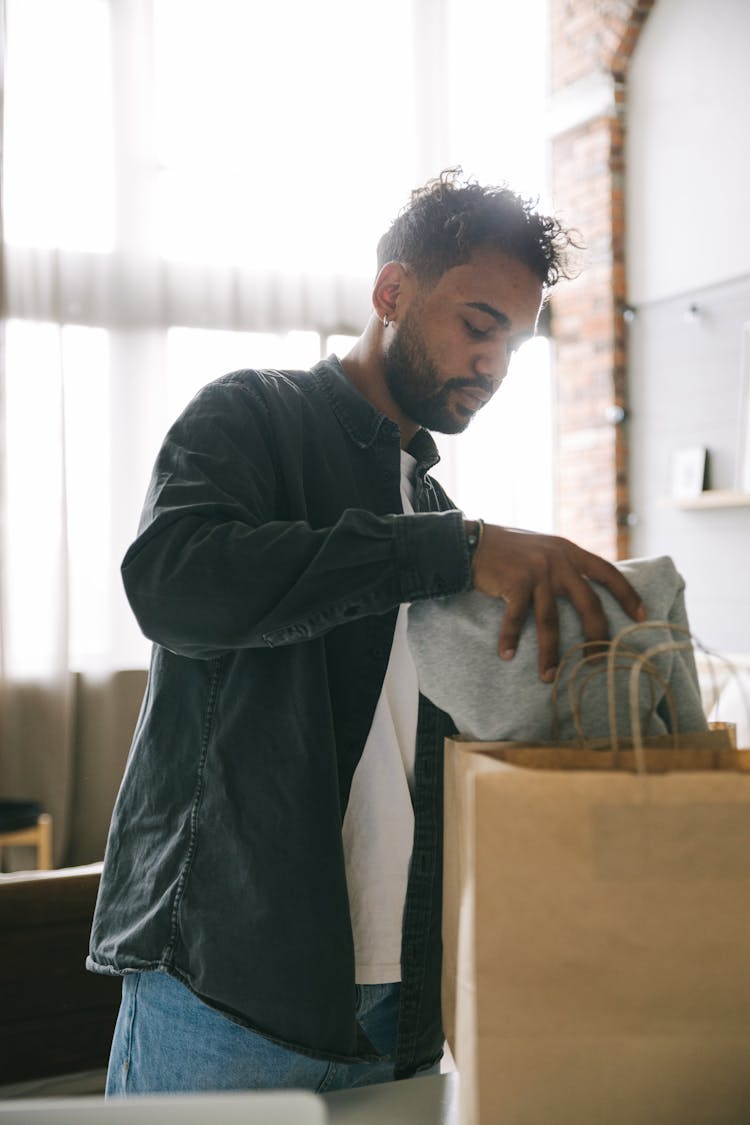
{"type": "Point", "coordinates": [449, 218]}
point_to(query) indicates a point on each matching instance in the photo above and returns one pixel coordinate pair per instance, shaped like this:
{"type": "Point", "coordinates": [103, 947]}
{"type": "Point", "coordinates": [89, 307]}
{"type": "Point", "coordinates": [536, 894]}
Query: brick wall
{"type": "Point", "coordinates": [591, 44]}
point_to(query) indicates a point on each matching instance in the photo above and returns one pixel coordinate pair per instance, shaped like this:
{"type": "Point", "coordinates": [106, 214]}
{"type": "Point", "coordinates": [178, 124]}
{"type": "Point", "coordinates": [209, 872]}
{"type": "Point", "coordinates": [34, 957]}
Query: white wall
{"type": "Point", "coordinates": [688, 244]}
{"type": "Point", "coordinates": [688, 148]}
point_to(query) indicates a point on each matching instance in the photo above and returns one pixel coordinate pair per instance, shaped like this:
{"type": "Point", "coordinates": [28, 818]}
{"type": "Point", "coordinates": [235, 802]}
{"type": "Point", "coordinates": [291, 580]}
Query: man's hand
{"type": "Point", "coordinates": [524, 568]}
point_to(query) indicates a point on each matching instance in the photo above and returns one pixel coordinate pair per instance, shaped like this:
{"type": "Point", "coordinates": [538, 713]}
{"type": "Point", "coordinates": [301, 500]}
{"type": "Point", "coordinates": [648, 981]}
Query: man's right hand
{"type": "Point", "coordinates": [527, 569]}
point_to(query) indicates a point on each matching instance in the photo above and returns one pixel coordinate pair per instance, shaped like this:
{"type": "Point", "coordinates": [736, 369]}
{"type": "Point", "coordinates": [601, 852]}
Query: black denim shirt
{"type": "Point", "coordinates": [271, 559]}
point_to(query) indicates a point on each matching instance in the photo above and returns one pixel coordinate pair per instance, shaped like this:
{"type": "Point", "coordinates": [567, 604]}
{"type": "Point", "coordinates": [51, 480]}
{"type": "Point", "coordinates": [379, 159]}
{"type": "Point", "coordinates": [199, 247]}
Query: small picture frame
{"type": "Point", "coordinates": [743, 451]}
{"type": "Point", "coordinates": [689, 472]}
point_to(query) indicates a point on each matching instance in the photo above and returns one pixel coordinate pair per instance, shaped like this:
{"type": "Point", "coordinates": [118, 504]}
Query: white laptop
{"type": "Point", "coordinates": [282, 1107]}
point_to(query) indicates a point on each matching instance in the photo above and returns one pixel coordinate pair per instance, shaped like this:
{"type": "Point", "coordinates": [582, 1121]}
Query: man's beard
{"type": "Point", "coordinates": [415, 385]}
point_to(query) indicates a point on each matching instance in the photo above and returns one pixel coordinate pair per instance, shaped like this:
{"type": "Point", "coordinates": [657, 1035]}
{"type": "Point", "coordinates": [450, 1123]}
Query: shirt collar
{"type": "Point", "coordinates": [361, 420]}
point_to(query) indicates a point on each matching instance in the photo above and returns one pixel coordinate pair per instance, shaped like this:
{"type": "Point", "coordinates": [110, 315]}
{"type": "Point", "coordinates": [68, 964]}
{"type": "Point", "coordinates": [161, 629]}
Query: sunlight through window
{"type": "Point", "coordinates": [58, 167]}
{"type": "Point", "coordinates": [173, 167]}
{"type": "Point", "coordinates": [507, 476]}
{"type": "Point", "coordinates": [34, 530]}
{"type": "Point", "coordinates": [88, 480]}
{"type": "Point", "coordinates": [250, 152]}
{"type": "Point", "coordinates": [197, 355]}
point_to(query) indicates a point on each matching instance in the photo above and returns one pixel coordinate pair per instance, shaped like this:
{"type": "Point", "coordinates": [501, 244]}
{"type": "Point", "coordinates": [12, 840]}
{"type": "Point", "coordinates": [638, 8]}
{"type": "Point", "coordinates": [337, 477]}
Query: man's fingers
{"type": "Point", "coordinates": [521, 567]}
{"type": "Point", "coordinates": [516, 611]}
{"type": "Point", "coordinates": [547, 630]}
{"type": "Point", "coordinates": [601, 571]}
{"type": "Point", "coordinates": [588, 607]}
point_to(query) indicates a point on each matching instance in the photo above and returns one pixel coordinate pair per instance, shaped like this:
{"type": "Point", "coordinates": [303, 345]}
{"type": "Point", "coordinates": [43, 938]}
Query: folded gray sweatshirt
{"type": "Point", "coordinates": [454, 642]}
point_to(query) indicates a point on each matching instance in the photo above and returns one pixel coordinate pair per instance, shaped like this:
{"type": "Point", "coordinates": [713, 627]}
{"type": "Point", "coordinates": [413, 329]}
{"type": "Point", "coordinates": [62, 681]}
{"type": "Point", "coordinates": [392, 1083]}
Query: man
{"type": "Point", "coordinates": [272, 882]}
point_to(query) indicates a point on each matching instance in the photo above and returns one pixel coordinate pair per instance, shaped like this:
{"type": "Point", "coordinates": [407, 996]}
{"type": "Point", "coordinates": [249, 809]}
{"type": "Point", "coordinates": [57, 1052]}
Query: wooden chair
{"type": "Point", "coordinates": [37, 835]}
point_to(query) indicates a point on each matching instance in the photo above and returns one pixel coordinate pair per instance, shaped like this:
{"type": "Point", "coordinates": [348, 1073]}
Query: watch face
{"type": "Point", "coordinates": [473, 536]}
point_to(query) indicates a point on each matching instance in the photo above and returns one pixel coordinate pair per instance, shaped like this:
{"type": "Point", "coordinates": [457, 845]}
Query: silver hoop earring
{"type": "Point", "coordinates": [386, 321]}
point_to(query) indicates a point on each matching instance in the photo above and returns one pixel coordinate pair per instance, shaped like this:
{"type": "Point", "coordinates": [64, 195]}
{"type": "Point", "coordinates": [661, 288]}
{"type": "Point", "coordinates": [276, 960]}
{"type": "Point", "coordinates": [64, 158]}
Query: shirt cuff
{"type": "Point", "coordinates": [433, 555]}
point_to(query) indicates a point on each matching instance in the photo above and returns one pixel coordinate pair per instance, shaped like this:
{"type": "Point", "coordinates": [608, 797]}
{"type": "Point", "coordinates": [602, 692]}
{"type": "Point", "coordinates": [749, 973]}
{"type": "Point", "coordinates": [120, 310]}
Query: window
{"type": "Point", "coordinates": [192, 190]}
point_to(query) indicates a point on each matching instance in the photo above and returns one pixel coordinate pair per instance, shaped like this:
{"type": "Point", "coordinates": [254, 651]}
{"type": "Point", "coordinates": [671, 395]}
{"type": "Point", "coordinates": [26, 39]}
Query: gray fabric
{"type": "Point", "coordinates": [454, 643]}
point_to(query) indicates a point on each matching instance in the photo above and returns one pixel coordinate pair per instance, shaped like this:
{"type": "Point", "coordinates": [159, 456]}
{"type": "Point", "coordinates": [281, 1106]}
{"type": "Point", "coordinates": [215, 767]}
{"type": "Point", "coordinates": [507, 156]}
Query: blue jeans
{"type": "Point", "coordinates": [168, 1041]}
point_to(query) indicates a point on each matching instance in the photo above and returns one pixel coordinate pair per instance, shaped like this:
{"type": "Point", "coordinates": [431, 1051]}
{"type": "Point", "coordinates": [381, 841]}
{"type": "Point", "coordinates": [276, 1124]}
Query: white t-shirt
{"type": "Point", "coordinates": [379, 821]}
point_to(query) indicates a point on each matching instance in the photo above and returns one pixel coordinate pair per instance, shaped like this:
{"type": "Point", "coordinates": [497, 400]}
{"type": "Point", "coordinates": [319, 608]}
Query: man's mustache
{"type": "Point", "coordinates": [478, 383]}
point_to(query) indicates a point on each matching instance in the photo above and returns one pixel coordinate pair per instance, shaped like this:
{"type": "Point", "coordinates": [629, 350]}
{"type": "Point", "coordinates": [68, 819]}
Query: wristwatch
{"type": "Point", "coordinates": [474, 538]}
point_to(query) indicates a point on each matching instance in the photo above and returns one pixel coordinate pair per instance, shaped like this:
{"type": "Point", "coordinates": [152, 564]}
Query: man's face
{"type": "Point", "coordinates": [450, 347]}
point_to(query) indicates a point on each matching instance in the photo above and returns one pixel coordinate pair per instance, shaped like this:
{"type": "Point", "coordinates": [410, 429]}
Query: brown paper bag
{"type": "Point", "coordinates": [597, 932]}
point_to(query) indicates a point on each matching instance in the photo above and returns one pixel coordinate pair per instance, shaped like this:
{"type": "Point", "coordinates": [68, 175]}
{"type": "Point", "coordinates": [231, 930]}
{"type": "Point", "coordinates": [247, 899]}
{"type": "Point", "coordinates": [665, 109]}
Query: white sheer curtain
{"type": "Point", "coordinates": [191, 186]}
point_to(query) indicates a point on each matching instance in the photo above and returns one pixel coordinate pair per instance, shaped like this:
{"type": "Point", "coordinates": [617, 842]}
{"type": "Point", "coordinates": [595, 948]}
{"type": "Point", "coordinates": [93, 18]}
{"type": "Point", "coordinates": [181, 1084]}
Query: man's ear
{"type": "Point", "coordinates": [392, 291]}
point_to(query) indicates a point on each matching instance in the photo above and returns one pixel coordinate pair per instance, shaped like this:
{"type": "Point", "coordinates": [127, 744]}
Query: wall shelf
{"type": "Point", "coordinates": [711, 498]}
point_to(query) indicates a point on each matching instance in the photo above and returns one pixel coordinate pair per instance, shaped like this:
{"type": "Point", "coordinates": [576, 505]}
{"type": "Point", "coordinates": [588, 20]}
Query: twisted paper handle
{"type": "Point", "coordinates": [595, 665]}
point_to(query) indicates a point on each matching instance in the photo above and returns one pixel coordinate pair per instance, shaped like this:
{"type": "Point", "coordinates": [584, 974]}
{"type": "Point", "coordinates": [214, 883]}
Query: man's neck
{"type": "Point", "coordinates": [364, 369]}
